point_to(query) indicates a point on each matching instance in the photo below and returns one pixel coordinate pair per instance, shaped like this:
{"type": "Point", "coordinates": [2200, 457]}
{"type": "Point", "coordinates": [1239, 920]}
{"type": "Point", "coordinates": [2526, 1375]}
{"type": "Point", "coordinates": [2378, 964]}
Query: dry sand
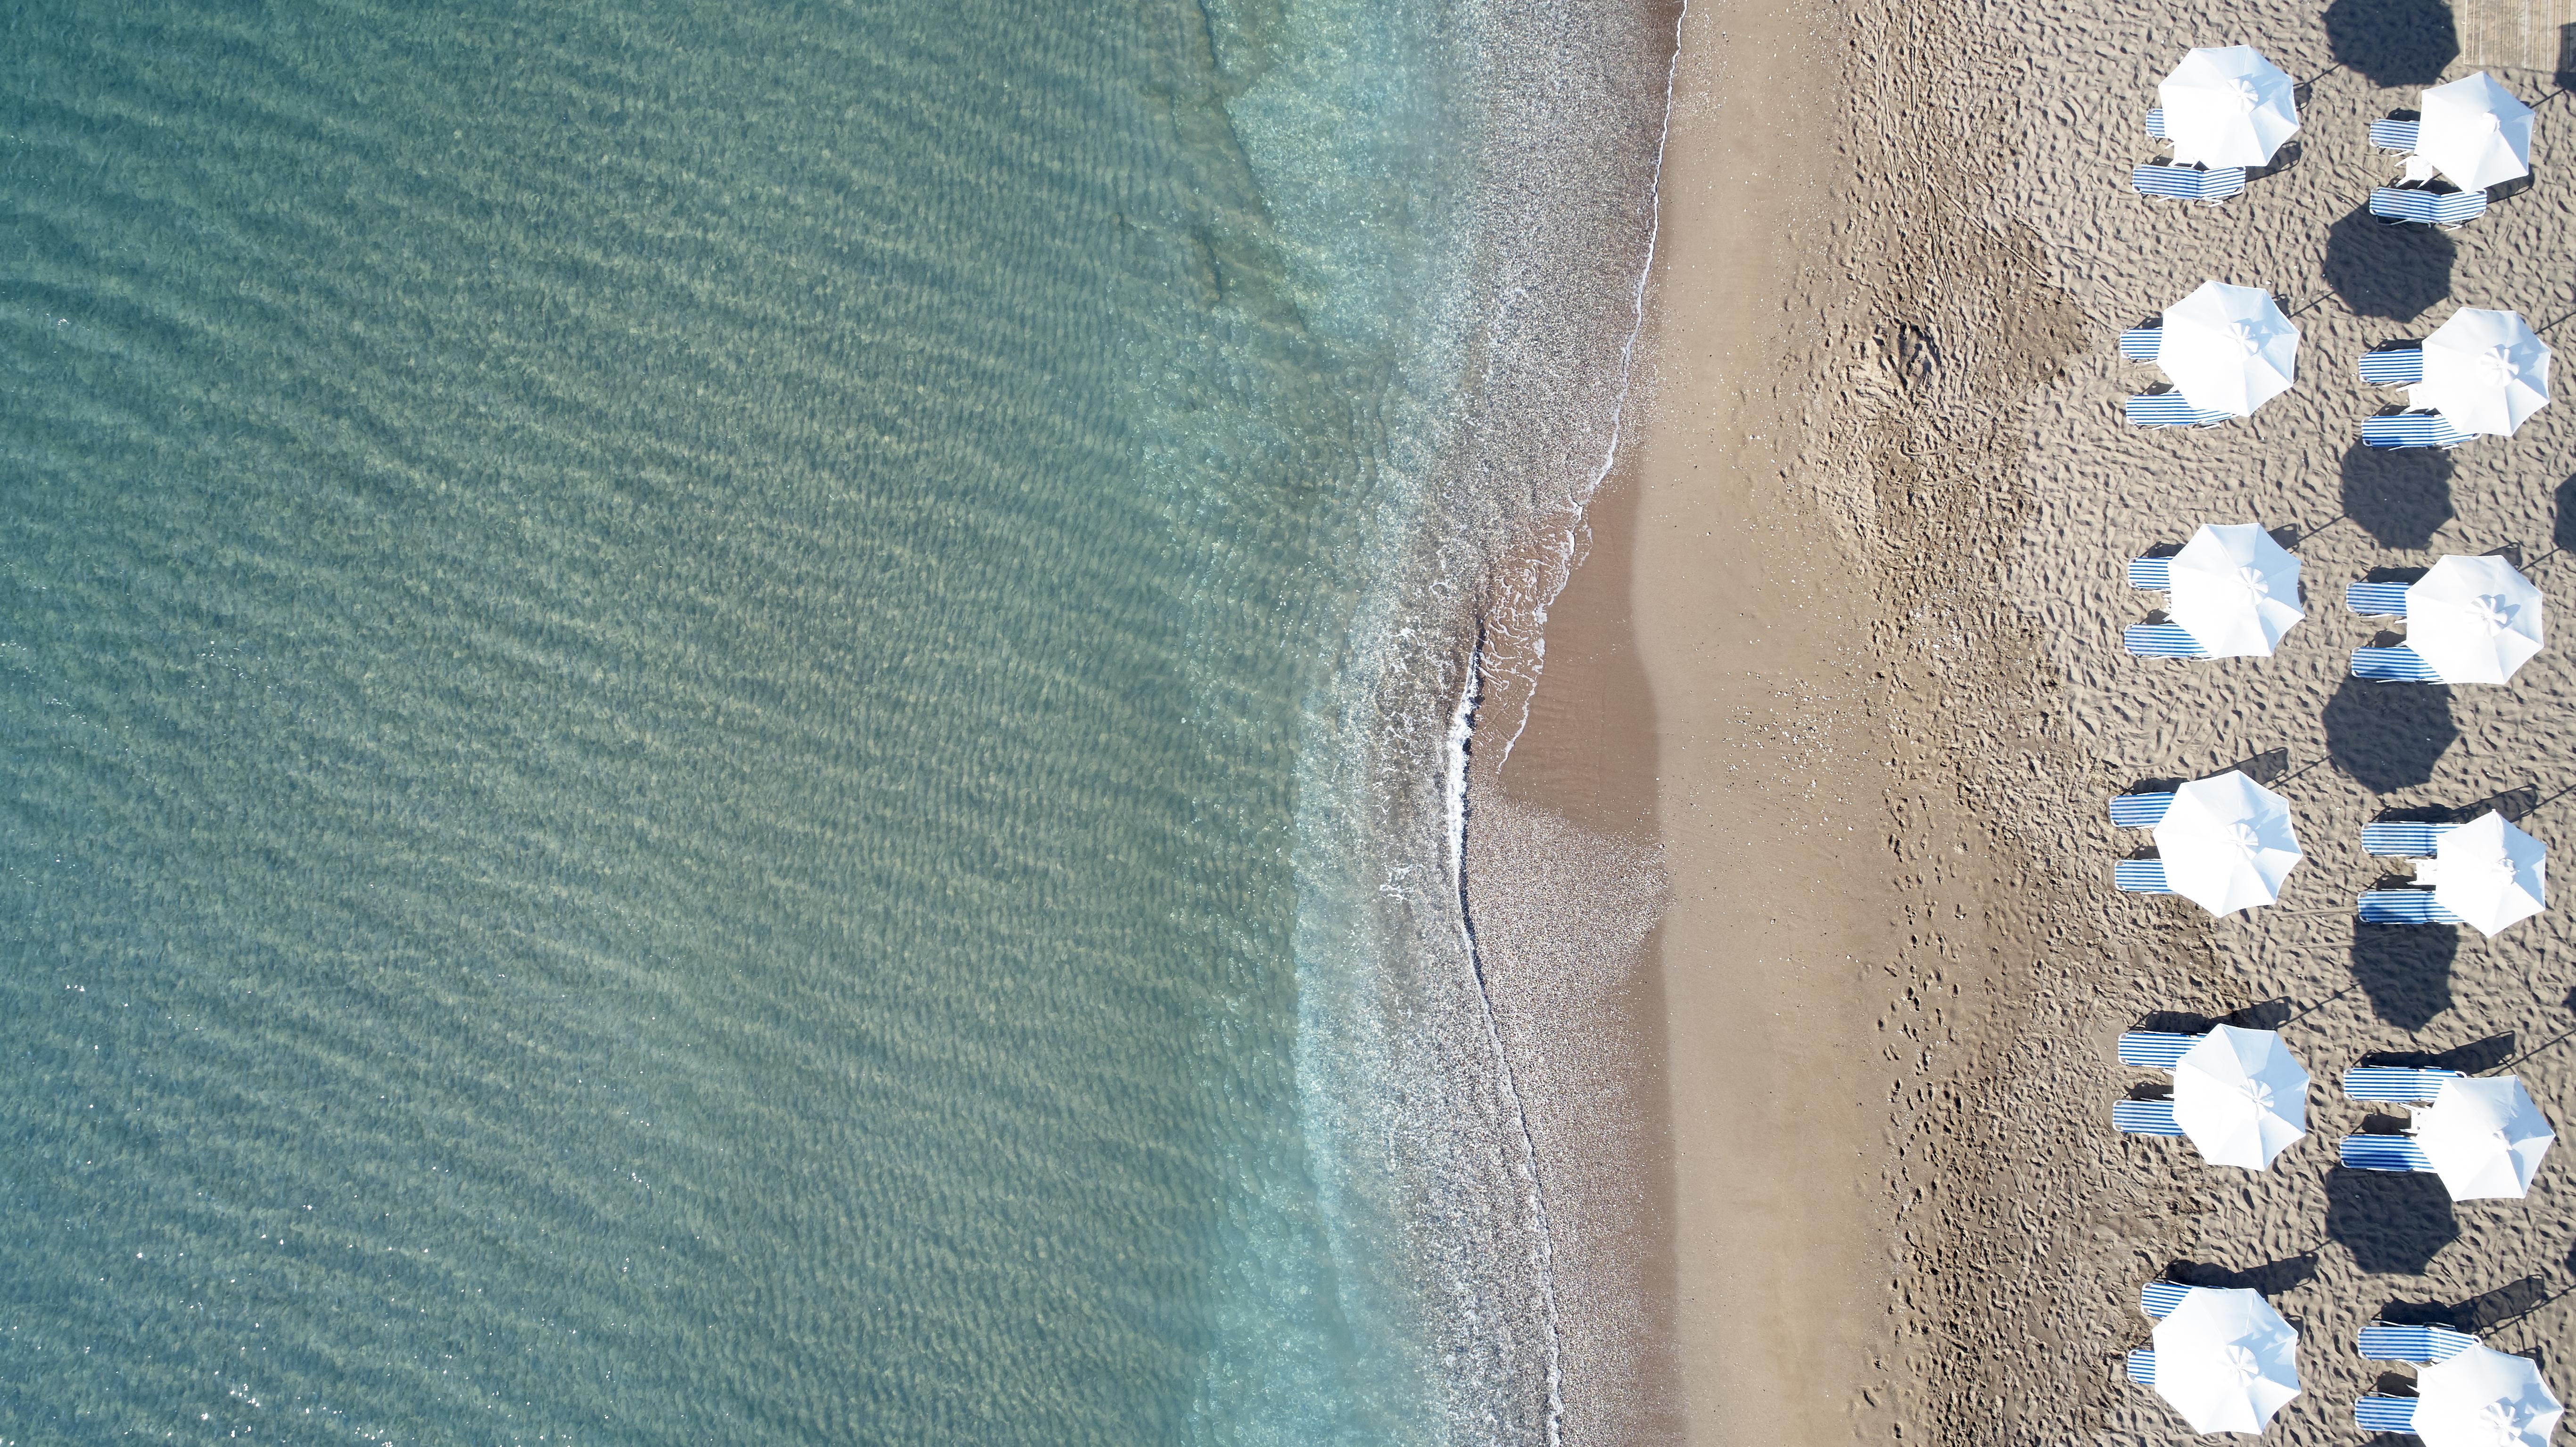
{"type": "Point", "coordinates": [1834, 702]}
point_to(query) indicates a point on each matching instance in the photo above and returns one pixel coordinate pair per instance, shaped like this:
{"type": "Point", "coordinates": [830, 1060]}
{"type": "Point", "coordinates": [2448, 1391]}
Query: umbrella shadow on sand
{"type": "Point", "coordinates": [2388, 736]}
{"type": "Point", "coordinates": [2405, 970]}
{"type": "Point", "coordinates": [2397, 272]}
{"type": "Point", "coordinates": [2401, 496]}
{"type": "Point", "coordinates": [2393, 42]}
{"type": "Point", "coordinates": [2391, 1222]}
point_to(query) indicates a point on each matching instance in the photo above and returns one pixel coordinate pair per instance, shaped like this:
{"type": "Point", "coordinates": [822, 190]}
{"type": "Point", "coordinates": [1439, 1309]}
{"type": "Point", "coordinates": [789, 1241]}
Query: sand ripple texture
{"type": "Point", "coordinates": [2334, 1248]}
{"type": "Point", "coordinates": [1995, 255]}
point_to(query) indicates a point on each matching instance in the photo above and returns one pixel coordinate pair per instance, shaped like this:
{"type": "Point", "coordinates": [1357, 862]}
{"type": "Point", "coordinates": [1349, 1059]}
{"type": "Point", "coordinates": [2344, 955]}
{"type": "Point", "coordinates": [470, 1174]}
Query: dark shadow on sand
{"type": "Point", "coordinates": [2391, 1222]}
{"type": "Point", "coordinates": [2271, 1278]}
{"type": "Point", "coordinates": [2393, 42]}
{"type": "Point", "coordinates": [2388, 736]}
{"type": "Point", "coordinates": [2269, 1014]}
{"type": "Point", "coordinates": [2380, 270]}
{"type": "Point", "coordinates": [2405, 970]}
{"type": "Point", "coordinates": [2400, 495]}
{"type": "Point", "coordinates": [2475, 1058]}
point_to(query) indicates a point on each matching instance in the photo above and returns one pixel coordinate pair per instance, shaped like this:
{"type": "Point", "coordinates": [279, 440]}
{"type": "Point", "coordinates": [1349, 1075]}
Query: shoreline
{"type": "Point", "coordinates": [1631, 748]}
{"type": "Point", "coordinates": [1737, 696]}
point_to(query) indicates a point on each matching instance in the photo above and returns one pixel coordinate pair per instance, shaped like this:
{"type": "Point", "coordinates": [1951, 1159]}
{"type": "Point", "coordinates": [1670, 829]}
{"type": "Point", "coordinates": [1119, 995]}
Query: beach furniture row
{"type": "Point", "coordinates": [2225, 1360]}
{"type": "Point", "coordinates": [2226, 110]}
{"type": "Point", "coordinates": [2226, 350]}
{"type": "Point", "coordinates": [2223, 1357]}
{"type": "Point", "coordinates": [2235, 593]}
{"type": "Point", "coordinates": [2227, 843]}
{"type": "Point", "coordinates": [2240, 1097]}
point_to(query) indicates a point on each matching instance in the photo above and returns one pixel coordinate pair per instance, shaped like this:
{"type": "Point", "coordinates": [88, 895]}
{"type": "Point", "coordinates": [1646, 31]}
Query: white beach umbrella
{"type": "Point", "coordinates": [2484, 1398]}
{"type": "Point", "coordinates": [2485, 1137]}
{"type": "Point", "coordinates": [2485, 370]}
{"type": "Point", "coordinates": [2227, 106]}
{"type": "Point", "coordinates": [2490, 873]}
{"type": "Point", "coordinates": [2475, 620]}
{"type": "Point", "coordinates": [2475, 132]}
{"type": "Point", "coordinates": [2228, 348]}
{"type": "Point", "coordinates": [2226, 1360]}
{"type": "Point", "coordinates": [2241, 1097]}
{"type": "Point", "coordinates": [2227, 843]}
{"type": "Point", "coordinates": [2235, 591]}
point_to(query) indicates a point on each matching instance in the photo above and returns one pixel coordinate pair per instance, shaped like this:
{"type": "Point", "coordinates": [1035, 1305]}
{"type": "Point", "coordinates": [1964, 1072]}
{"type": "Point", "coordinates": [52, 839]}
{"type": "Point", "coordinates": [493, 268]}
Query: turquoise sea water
{"type": "Point", "coordinates": [698, 704]}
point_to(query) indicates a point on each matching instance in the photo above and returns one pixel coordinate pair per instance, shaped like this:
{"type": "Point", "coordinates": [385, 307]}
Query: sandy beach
{"type": "Point", "coordinates": [1836, 695]}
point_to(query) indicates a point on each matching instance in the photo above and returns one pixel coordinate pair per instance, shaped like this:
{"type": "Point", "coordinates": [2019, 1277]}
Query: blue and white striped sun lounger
{"type": "Point", "coordinates": [2161, 640]}
{"type": "Point", "coordinates": [2168, 409]}
{"type": "Point", "coordinates": [2151, 573]}
{"type": "Point", "coordinates": [2139, 811]}
{"type": "Point", "coordinates": [2393, 366]}
{"type": "Point", "coordinates": [2145, 1117]}
{"type": "Point", "coordinates": [2155, 1049]}
{"type": "Point", "coordinates": [2159, 1298]}
{"type": "Point", "coordinates": [2422, 1345]}
{"type": "Point", "coordinates": [2141, 344]}
{"type": "Point", "coordinates": [2449, 210]}
{"type": "Point", "coordinates": [2384, 1153]}
{"type": "Point", "coordinates": [2376, 600]}
{"type": "Point", "coordinates": [2142, 1366]}
{"type": "Point", "coordinates": [2403, 838]}
{"type": "Point", "coordinates": [2141, 876]}
{"type": "Point", "coordinates": [2384, 1414]}
{"type": "Point", "coordinates": [2397, 1084]}
{"type": "Point", "coordinates": [2412, 429]}
{"type": "Point", "coordinates": [2392, 665]}
{"type": "Point", "coordinates": [2188, 183]}
{"type": "Point", "coordinates": [2156, 123]}
{"type": "Point", "coordinates": [2398, 136]}
{"type": "Point", "coordinates": [2403, 906]}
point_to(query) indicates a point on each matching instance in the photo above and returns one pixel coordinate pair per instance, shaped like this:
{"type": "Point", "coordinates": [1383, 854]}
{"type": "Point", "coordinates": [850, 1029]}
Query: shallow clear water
{"type": "Point", "coordinates": [681, 722]}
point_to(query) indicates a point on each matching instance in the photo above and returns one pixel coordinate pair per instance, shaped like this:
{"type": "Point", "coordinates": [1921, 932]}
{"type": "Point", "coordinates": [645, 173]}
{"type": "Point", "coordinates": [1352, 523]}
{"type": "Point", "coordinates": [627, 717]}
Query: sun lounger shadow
{"type": "Point", "coordinates": [2271, 1278]}
{"type": "Point", "coordinates": [2171, 1022]}
{"type": "Point", "coordinates": [2510, 1302]}
{"type": "Point", "coordinates": [2391, 1223]}
{"type": "Point", "coordinates": [2515, 805]}
{"type": "Point", "coordinates": [2443, 1314]}
{"type": "Point", "coordinates": [2269, 1014]}
{"type": "Point", "coordinates": [2282, 160]}
{"type": "Point", "coordinates": [2478, 1056]}
{"type": "Point", "coordinates": [2264, 767]}
{"type": "Point", "coordinates": [2475, 1058]}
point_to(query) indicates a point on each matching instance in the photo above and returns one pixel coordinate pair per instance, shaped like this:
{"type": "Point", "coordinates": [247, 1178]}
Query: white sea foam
{"type": "Point", "coordinates": [1506, 418]}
